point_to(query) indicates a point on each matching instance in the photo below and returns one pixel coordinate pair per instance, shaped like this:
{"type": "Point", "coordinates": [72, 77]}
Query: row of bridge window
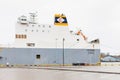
{"type": "Point", "coordinates": [21, 36]}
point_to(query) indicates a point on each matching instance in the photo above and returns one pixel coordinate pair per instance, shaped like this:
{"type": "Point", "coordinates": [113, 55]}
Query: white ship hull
{"type": "Point", "coordinates": [42, 44]}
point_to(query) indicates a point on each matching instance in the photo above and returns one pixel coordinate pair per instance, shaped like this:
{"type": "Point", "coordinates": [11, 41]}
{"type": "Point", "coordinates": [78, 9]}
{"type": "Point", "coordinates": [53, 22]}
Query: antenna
{"type": "Point", "coordinates": [33, 18]}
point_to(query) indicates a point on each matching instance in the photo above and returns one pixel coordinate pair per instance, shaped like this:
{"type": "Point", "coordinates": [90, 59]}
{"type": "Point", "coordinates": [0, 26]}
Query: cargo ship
{"type": "Point", "coordinates": [49, 45]}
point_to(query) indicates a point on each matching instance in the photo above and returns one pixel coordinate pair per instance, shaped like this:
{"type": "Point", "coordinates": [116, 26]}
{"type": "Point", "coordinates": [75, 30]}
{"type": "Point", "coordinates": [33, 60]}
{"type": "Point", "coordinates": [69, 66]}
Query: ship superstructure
{"type": "Point", "coordinates": [44, 44]}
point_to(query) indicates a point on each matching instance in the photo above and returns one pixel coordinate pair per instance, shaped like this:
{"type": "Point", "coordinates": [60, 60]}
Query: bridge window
{"type": "Point", "coordinates": [24, 19]}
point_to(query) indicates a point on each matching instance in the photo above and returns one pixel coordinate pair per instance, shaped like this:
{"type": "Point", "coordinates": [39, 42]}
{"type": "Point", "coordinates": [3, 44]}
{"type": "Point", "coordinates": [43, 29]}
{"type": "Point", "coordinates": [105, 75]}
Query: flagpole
{"type": "Point", "coordinates": [63, 51]}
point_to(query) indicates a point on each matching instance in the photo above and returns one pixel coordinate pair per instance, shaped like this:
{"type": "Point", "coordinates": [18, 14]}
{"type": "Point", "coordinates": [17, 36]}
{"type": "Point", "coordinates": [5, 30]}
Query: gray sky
{"type": "Point", "coordinates": [97, 18]}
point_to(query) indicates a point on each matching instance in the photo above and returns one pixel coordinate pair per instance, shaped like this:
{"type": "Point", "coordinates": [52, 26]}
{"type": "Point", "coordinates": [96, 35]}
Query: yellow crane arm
{"type": "Point", "coordinates": [80, 33]}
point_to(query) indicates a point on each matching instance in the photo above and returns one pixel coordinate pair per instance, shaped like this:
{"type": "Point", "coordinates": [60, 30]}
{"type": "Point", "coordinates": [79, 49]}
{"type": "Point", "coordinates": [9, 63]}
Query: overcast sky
{"type": "Point", "coordinates": [96, 18]}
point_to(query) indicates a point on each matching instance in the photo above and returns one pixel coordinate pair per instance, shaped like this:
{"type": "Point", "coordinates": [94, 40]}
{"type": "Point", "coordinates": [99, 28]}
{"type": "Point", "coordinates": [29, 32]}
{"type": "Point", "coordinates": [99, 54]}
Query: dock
{"type": "Point", "coordinates": [61, 73]}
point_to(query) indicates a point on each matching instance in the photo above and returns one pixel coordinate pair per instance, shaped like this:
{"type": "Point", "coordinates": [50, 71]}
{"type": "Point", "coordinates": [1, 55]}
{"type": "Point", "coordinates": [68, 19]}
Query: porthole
{"type": "Point", "coordinates": [77, 39]}
{"type": "Point", "coordinates": [32, 25]}
{"type": "Point", "coordinates": [38, 56]}
{"type": "Point", "coordinates": [36, 30]}
{"type": "Point", "coordinates": [32, 30]}
{"type": "Point", "coordinates": [43, 26]}
{"type": "Point", "coordinates": [25, 30]}
{"type": "Point", "coordinates": [49, 26]}
{"type": "Point", "coordinates": [42, 30]}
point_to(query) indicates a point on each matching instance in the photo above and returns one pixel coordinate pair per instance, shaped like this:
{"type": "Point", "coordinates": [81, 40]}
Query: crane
{"type": "Point", "coordinates": [80, 33]}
